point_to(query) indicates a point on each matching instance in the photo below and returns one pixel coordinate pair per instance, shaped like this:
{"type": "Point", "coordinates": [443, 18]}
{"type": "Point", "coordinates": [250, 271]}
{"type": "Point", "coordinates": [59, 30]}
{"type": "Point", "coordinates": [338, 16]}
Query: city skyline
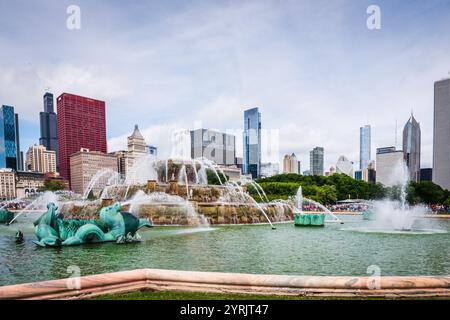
{"type": "Point", "coordinates": [145, 82]}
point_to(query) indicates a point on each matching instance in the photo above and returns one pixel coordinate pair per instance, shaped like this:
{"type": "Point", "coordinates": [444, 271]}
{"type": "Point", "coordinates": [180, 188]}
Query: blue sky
{"type": "Point", "coordinates": [314, 69]}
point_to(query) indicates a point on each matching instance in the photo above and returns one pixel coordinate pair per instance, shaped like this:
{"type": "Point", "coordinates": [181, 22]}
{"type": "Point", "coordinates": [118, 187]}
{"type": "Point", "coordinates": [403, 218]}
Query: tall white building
{"type": "Point", "coordinates": [344, 166]}
{"type": "Point", "coordinates": [441, 134]}
{"type": "Point", "coordinates": [388, 161]}
{"type": "Point", "coordinates": [39, 159]}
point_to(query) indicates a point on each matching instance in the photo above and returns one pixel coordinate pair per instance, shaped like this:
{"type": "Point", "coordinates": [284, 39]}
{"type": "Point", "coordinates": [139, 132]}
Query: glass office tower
{"type": "Point", "coordinates": [252, 143]}
{"type": "Point", "coordinates": [8, 150]}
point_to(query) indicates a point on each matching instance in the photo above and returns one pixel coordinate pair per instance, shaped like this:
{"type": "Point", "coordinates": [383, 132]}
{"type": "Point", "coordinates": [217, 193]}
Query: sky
{"type": "Point", "coordinates": [314, 69]}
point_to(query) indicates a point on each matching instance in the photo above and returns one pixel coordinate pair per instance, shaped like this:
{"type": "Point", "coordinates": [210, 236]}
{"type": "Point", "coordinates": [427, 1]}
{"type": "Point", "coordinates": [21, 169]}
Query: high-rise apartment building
{"type": "Point", "coordinates": [441, 134]}
{"type": "Point", "coordinates": [364, 147]}
{"type": "Point", "coordinates": [316, 158]}
{"type": "Point", "coordinates": [291, 164]}
{"type": "Point", "coordinates": [48, 124]}
{"type": "Point", "coordinates": [252, 143]}
{"type": "Point", "coordinates": [39, 159]}
{"type": "Point", "coordinates": [8, 143]}
{"type": "Point", "coordinates": [7, 184]}
{"type": "Point", "coordinates": [81, 124]}
{"type": "Point", "coordinates": [213, 145]}
{"type": "Point", "coordinates": [411, 148]}
{"type": "Point", "coordinates": [84, 164]}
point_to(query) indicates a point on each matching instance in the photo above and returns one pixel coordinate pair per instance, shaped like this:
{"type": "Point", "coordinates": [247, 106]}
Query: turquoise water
{"type": "Point", "coordinates": [333, 250]}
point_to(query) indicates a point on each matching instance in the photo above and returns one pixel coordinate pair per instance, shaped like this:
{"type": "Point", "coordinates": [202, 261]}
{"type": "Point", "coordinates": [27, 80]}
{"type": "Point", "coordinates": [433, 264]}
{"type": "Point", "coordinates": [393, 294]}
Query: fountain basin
{"type": "Point", "coordinates": [309, 219]}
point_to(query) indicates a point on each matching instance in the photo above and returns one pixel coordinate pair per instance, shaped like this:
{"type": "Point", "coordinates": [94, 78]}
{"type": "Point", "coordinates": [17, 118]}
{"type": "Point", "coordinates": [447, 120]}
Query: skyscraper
{"type": "Point", "coordinates": [8, 149]}
{"type": "Point", "coordinates": [81, 124]}
{"type": "Point", "coordinates": [441, 134]}
{"type": "Point", "coordinates": [252, 142]}
{"type": "Point", "coordinates": [316, 161]}
{"type": "Point", "coordinates": [49, 128]}
{"type": "Point", "coordinates": [411, 148]}
{"type": "Point", "coordinates": [364, 147]}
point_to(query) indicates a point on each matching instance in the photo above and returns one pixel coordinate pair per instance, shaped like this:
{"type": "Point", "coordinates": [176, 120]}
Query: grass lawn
{"type": "Point", "coordinates": [170, 295]}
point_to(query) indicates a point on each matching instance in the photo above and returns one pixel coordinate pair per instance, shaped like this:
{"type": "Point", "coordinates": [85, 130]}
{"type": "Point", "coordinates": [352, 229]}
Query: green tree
{"type": "Point", "coordinates": [447, 202]}
{"type": "Point", "coordinates": [53, 185]}
{"type": "Point", "coordinates": [426, 192]}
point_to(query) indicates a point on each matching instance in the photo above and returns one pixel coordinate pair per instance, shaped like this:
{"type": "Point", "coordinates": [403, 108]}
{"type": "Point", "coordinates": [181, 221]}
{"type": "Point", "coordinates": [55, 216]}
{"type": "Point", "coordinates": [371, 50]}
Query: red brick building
{"type": "Point", "coordinates": [81, 124]}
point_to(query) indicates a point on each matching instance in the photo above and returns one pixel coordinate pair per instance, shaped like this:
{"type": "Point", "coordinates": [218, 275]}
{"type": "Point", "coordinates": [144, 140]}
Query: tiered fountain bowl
{"type": "Point", "coordinates": [309, 219]}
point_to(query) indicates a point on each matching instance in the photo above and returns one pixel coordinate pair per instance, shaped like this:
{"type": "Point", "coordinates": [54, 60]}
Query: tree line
{"type": "Point", "coordinates": [329, 190]}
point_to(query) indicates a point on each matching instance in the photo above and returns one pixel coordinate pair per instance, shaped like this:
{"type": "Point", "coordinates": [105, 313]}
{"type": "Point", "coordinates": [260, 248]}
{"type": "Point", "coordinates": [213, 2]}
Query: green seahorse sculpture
{"type": "Point", "coordinates": [53, 230]}
{"type": "Point", "coordinates": [6, 216]}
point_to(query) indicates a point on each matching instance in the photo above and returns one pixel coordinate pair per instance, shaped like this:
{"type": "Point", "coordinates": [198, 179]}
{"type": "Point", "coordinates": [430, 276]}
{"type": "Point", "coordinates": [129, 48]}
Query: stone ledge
{"type": "Point", "coordinates": [174, 280]}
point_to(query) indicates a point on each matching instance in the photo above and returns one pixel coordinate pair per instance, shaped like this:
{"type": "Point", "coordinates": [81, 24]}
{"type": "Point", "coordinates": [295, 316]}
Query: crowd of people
{"type": "Point", "coordinates": [12, 205]}
{"type": "Point", "coordinates": [439, 208]}
{"type": "Point", "coordinates": [360, 207]}
{"type": "Point", "coordinates": [349, 207]}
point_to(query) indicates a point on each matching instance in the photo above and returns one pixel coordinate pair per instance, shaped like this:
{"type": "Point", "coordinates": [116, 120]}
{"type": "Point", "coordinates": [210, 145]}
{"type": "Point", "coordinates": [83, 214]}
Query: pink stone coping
{"type": "Point", "coordinates": [218, 282]}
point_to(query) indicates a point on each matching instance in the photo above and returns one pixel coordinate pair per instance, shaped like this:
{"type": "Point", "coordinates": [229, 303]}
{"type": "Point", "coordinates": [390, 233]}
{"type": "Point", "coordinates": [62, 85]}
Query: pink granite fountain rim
{"type": "Point", "coordinates": [158, 279]}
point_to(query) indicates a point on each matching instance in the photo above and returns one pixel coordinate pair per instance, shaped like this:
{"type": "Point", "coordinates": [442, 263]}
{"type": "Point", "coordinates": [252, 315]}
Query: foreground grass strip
{"type": "Point", "coordinates": [170, 295]}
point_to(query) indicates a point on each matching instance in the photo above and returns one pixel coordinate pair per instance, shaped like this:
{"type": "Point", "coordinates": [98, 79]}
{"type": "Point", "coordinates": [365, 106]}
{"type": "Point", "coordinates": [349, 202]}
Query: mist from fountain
{"type": "Point", "coordinates": [397, 215]}
{"type": "Point", "coordinates": [160, 198]}
{"type": "Point", "coordinates": [100, 180]}
{"type": "Point", "coordinates": [38, 205]}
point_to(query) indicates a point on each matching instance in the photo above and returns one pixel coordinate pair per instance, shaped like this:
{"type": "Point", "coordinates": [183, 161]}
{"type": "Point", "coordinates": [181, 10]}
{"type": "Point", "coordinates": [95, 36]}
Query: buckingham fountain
{"type": "Point", "coordinates": [167, 214]}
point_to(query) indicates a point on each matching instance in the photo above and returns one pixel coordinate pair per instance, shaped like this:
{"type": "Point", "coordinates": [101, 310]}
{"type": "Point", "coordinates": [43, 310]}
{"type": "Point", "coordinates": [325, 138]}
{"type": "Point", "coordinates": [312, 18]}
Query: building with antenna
{"type": "Point", "coordinates": [48, 126]}
{"type": "Point", "coordinates": [411, 148]}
